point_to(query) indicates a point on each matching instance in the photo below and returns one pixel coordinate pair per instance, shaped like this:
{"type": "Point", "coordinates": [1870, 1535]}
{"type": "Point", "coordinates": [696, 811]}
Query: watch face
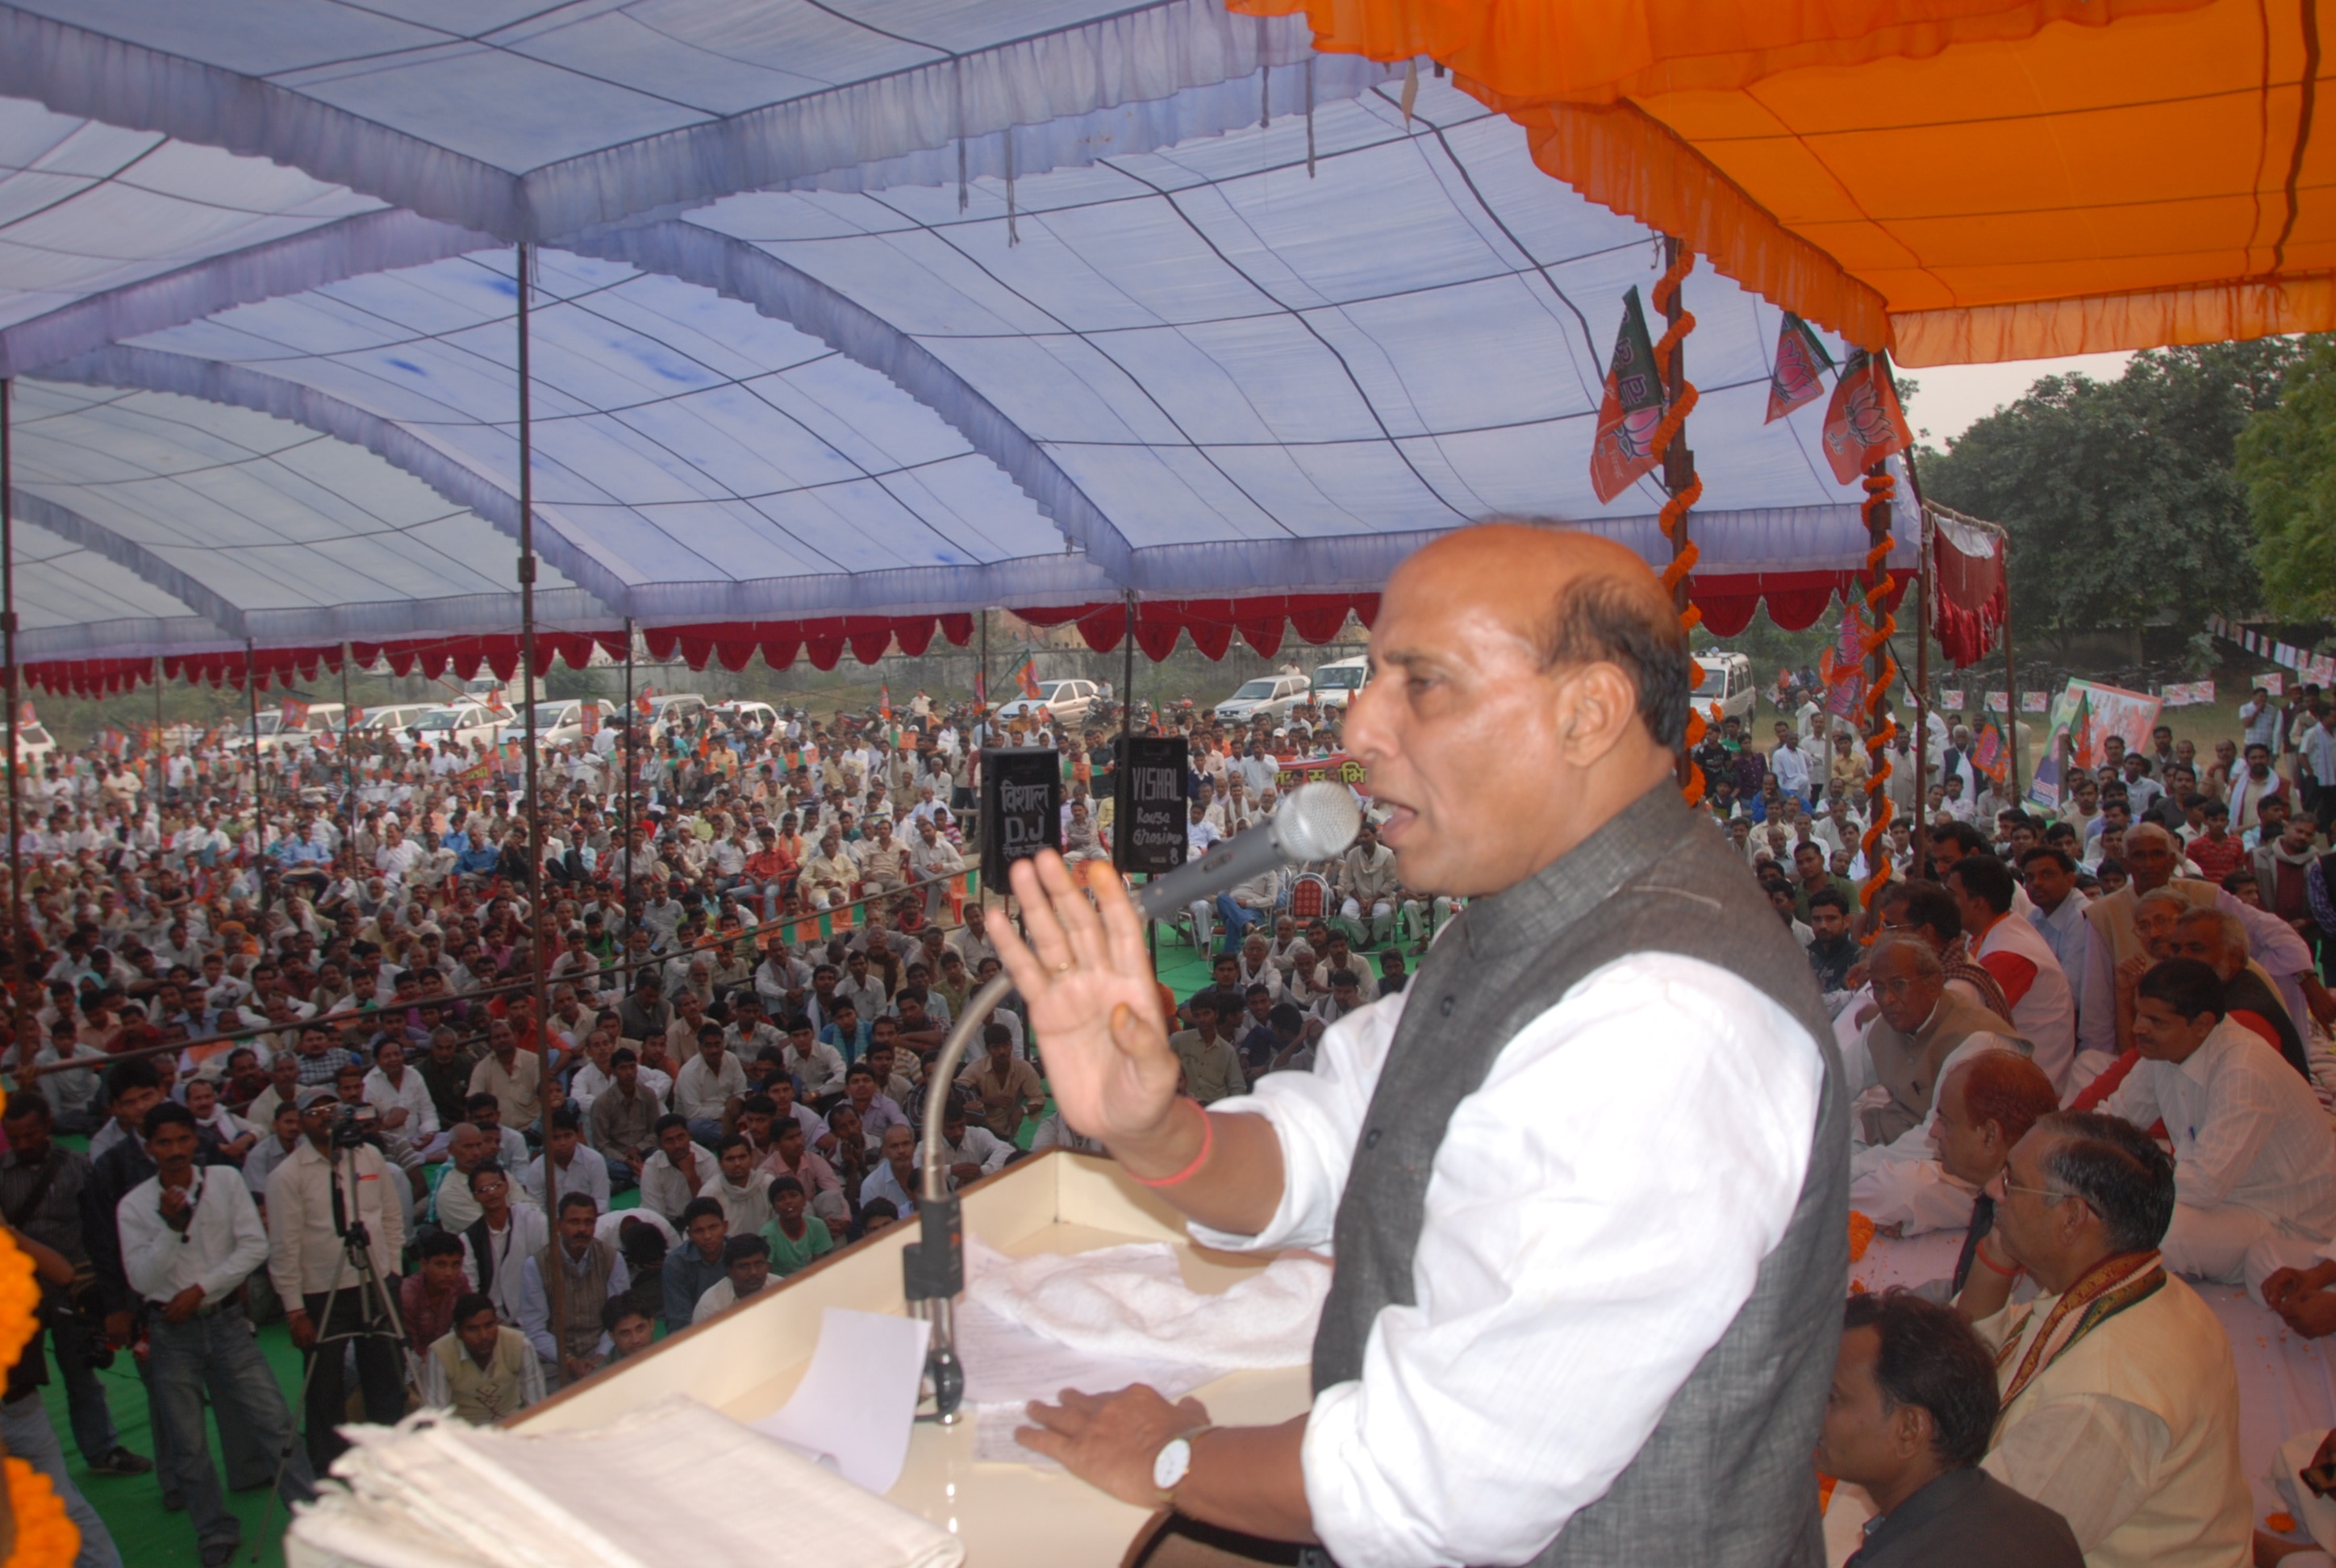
{"type": "Point", "coordinates": [1174, 1459]}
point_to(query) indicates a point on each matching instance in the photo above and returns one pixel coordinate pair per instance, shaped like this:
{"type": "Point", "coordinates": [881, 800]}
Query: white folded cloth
{"type": "Point", "coordinates": [435, 1493]}
{"type": "Point", "coordinates": [1132, 1301]}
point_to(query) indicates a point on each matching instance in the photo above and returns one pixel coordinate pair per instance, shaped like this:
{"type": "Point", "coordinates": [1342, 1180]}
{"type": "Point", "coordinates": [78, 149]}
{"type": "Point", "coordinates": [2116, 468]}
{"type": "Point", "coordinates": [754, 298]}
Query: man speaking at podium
{"type": "Point", "coordinates": [1585, 1177]}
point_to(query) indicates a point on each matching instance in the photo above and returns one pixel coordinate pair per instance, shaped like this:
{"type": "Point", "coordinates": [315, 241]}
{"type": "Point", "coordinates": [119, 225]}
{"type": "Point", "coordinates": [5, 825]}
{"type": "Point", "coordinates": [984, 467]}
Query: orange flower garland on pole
{"type": "Point", "coordinates": [46, 1536]}
{"type": "Point", "coordinates": [1680, 477]}
{"type": "Point", "coordinates": [1881, 727]}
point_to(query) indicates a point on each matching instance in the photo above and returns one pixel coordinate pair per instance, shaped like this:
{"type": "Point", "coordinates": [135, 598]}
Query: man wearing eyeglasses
{"type": "Point", "coordinates": [2120, 1399]}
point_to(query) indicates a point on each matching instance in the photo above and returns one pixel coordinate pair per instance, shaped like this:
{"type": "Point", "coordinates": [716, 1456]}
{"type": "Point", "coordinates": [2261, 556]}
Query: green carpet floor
{"type": "Point", "coordinates": [132, 1506]}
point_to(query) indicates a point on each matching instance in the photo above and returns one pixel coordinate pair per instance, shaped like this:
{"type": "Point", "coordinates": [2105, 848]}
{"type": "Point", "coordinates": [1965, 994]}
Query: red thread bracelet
{"type": "Point", "coordinates": [1208, 1142]}
{"type": "Point", "coordinates": [1980, 1254]}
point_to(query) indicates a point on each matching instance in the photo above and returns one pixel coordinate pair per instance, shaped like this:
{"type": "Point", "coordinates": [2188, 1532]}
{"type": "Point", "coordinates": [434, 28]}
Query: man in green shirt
{"type": "Point", "coordinates": [796, 1236]}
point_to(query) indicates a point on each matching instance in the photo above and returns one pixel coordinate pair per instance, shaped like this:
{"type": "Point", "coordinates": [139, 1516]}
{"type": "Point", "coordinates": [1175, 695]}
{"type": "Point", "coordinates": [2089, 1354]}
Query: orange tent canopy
{"type": "Point", "coordinates": [1955, 181]}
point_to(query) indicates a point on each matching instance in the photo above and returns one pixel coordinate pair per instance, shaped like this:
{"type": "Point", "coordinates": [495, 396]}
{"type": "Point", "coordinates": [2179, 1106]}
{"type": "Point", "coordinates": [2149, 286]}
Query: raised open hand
{"type": "Point", "coordinates": [1094, 1003]}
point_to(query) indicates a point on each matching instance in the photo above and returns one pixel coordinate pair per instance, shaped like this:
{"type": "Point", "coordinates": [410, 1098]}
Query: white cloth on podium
{"type": "Point", "coordinates": [435, 1493]}
{"type": "Point", "coordinates": [1131, 1302]}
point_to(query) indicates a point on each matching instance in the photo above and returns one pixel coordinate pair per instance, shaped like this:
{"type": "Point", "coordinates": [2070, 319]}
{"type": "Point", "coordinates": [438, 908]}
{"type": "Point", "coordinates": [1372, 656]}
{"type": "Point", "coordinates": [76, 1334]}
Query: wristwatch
{"type": "Point", "coordinates": [1174, 1460]}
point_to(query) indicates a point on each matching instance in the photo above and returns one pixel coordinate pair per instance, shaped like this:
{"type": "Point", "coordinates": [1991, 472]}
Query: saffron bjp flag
{"type": "Point", "coordinates": [1624, 449]}
{"type": "Point", "coordinates": [1988, 755]}
{"type": "Point", "coordinates": [1863, 423]}
{"type": "Point", "coordinates": [295, 715]}
{"type": "Point", "coordinates": [1798, 374]}
{"type": "Point", "coordinates": [884, 702]}
{"type": "Point", "coordinates": [1025, 677]}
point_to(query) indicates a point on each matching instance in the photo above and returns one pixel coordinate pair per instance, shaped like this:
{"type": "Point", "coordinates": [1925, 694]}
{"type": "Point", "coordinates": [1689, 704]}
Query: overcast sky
{"type": "Point", "coordinates": [1949, 398]}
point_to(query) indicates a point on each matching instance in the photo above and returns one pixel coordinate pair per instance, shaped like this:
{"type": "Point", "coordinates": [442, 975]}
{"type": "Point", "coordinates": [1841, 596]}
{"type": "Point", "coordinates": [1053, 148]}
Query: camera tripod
{"type": "Point", "coordinates": [377, 1314]}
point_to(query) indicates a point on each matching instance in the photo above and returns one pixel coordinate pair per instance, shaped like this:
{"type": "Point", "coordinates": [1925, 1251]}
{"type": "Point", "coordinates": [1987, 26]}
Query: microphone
{"type": "Point", "coordinates": [1317, 821]}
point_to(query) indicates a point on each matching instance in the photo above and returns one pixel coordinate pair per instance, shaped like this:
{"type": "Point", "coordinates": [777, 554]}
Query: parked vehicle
{"type": "Point", "coordinates": [1725, 678]}
{"type": "Point", "coordinates": [677, 707]}
{"type": "Point", "coordinates": [457, 725]}
{"type": "Point", "coordinates": [392, 721]}
{"type": "Point", "coordinates": [1268, 696]}
{"type": "Point", "coordinates": [560, 721]}
{"type": "Point", "coordinates": [754, 715]}
{"type": "Point", "coordinates": [1070, 701]}
{"type": "Point", "coordinates": [1336, 683]}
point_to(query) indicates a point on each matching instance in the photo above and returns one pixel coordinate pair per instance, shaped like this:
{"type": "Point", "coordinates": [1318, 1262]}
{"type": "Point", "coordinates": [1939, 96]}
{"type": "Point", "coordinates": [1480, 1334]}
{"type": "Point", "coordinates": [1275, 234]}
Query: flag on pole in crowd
{"type": "Point", "coordinates": [981, 688]}
{"type": "Point", "coordinates": [1988, 755]}
{"type": "Point", "coordinates": [113, 741]}
{"type": "Point", "coordinates": [1799, 373]}
{"type": "Point", "coordinates": [2080, 730]}
{"type": "Point", "coordinates": [1863, 423]}
{"type": "Point", "coordinates": [1026, 676]}
{"type": "Point", "coordinates": [1624, 448]}
{"type": "Point", "coordinates": [292, 714]}
{"type": "Point", "coordinates": [1841, 664]}
{"type": "Point", "coordinates": [587, 719]}
{"type": "Point", "coordinates": [884, 702]}
{"type": "Point", "coordinates": [641, 703]}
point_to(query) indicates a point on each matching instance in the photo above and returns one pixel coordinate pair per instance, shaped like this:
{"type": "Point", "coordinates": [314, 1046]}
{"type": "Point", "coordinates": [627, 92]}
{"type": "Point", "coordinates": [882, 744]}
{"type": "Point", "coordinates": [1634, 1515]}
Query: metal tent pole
{"type": "Point", "coordinates": [159, 764]}
{"type": "Point", "coordinates": [1127, 697]}
{"type": "Point", "coordinates": [555, 1281]}
{"type": "Point", "coordinates": [2010, 681]}
{"type": "Point", "coordinates": [258, 796]}
{"type": "Point", "coordinates": [626, 799]}
{"type": "Point", "coordinates": [1926, 566]}
{"type": "Point", "coordinates": [348, 758]}
{"type": "Point", "coordinates": [18, 940]}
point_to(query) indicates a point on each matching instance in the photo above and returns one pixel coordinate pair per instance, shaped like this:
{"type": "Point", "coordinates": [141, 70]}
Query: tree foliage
{"type": "Point", "coordinates": [2119, 497]}
{"type": "Point", "coordinates": [2287, 465]}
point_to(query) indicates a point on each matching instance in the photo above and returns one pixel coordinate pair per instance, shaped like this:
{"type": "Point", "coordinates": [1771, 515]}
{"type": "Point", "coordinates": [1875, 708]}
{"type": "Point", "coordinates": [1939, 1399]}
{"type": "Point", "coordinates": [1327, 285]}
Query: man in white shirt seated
{"type": "Point", "coordinates": [2255, 1163]}
{"type": "Point", "coordinates": [404, 1101]}
{"type": "Point", "coordinates": [743, 1190]}
{"type": "Point", "coordinates": [745, 1272]}
{"type": "Point", "coordinates": [2120, 1398]}
{"type": "Point", "coordinates": [967, 1153]}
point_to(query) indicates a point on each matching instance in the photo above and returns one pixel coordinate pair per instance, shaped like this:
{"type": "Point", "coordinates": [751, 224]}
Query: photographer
{"type": "Point", "coordinates": [40, 1195]}
{"type": "Point", "coordinates": [320, 1200]}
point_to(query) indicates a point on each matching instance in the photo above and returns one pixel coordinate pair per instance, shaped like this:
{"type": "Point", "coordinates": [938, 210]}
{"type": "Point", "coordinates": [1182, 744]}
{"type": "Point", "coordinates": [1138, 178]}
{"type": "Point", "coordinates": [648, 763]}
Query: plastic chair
{"type": "Point", "coordinates": [1309, 898]}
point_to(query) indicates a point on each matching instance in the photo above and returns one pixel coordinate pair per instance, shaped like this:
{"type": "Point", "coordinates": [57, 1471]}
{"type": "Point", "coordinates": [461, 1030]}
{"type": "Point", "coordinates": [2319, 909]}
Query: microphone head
{"type": "Point", "coordinates": [1317, 821]}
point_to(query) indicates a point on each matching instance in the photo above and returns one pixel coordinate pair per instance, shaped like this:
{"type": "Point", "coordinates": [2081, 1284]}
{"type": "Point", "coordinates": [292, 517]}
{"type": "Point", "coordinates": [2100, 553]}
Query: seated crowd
{"type": "Point", "coordinates": [2065, 1037]}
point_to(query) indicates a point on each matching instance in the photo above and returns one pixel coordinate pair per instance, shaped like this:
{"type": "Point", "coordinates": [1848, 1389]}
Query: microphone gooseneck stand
{"type": "Point", "coordinates": [933, 1265]}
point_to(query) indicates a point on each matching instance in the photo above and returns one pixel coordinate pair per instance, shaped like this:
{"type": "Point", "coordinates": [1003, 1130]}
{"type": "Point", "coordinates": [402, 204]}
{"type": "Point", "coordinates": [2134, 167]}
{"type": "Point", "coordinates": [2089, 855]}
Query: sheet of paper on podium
{"type": "Point", "coordinates": [857, 1401]}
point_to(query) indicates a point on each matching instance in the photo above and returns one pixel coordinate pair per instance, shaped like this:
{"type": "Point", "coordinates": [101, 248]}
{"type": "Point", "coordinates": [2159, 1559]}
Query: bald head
{"type": "Point", "coordinates": [1519, 665]}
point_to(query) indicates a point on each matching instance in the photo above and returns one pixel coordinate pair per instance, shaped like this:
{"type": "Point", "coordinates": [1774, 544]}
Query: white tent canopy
{"type": "Point", "coordinates": [1173, 334]}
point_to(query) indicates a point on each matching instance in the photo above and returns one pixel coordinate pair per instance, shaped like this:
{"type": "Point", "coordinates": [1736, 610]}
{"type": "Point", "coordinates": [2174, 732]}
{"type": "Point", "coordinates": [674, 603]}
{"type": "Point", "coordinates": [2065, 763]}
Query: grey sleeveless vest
{"type": "Point", "coordinates": [1726, 1478]}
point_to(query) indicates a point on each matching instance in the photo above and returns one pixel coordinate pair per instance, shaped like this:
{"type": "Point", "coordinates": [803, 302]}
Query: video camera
{"type": "Point", "coordinates": [354, 1125]}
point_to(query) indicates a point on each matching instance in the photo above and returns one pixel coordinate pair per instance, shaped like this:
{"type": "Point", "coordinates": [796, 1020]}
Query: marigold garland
{"type": "Point", "coordinates": [46, 1536]}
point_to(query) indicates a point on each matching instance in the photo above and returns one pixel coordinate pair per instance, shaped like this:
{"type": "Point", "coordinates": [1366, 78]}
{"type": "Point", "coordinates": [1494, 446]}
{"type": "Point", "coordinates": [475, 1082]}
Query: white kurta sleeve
{"type": "Point", "coordinates": [1555, 1319]}
{"type": "Point", "coordinates": [1317, 1116]}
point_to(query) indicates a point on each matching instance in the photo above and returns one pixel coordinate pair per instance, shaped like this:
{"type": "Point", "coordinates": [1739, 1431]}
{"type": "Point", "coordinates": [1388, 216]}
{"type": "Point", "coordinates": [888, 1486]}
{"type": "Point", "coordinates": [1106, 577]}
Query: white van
{"type": "Point", "coordinates": [673, 708]}
{"type": "Point", "coordinates": [393, 722]}
{"type": "Point", "coordinates": [1725, 678]}
{"type": "Point", "coordinates": [1336, 683]}
{"type": "Point", "coordinates": [560, 721]}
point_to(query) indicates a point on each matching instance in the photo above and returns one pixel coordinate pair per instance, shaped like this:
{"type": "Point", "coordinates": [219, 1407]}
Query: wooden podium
{"type": "Point", "coordinates": [746, 1362]}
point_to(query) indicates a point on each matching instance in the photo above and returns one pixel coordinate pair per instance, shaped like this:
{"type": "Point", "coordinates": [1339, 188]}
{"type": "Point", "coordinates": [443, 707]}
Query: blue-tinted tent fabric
{"type": "Point", "coordinates": [267, 530]}
{"type": "Point", "coordinates": [860, 306]}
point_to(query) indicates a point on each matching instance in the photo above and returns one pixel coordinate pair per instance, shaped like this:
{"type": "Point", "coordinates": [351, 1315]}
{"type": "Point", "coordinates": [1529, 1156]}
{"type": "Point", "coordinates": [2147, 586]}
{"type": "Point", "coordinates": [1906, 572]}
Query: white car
{"type": "Point", "coordinates": [1725, 678]}
{"type": "Point", "coordinates": [673, 708]}
{"type": "Point", "coordinates": [1267, 696]}
{"type": "Point", "coordinates": [456, 727]}
{"type": "Point", "coordinates": [393, 722]}
{"type": "Point", "coordinates": [747, 714]}
{"type": "Point", "coordinates": [1336, 683]}
{"type": "Point", "coordinates": [33, 744]}
{"type": "Point", "coordinates": [560, 721]}
{"type": "Point", "coordinates": [1068, 700]}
